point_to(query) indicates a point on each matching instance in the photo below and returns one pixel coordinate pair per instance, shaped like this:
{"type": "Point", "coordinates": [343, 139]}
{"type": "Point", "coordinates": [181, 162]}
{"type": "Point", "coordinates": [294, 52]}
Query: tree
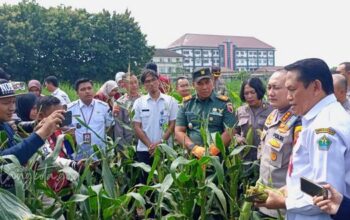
{"type": "Point", "coordinates": [69, 43]}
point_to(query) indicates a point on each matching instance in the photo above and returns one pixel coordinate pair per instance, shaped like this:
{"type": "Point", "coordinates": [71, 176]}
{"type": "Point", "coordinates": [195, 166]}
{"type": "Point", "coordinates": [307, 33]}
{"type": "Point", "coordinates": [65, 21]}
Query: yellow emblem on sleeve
{"type": "Point", "coordinates": [274, 143]}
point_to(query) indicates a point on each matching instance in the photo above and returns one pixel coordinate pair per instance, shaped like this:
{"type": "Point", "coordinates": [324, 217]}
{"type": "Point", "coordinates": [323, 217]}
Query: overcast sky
{"type": "Point", "coordinates": [296, 28]}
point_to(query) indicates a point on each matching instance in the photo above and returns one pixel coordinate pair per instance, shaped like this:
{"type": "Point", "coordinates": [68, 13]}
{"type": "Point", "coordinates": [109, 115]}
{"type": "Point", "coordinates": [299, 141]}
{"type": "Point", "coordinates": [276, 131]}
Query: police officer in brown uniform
{"type": "Point", "coordinates": [277, 138]}
{"type": "Point", "coordinates": [252, 115]}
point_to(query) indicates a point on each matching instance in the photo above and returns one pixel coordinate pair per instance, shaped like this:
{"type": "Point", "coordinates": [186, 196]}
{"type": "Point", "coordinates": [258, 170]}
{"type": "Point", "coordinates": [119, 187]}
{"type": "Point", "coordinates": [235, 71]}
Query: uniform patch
{"type": "Point", "coordinates": [330, 131]}
{"type": "Point", "coordinates": [275, 143]}
{"type": "Point", "coordinates": [229, 107]}
{"type": "Point", "coordinates": [297, 131]}
{"type": "Point", "coordinates": [278, 137]}
{"type": "Point", "coordinates": [187, 98]}
{"type": "Point", "coordinates": [223, 98]}
{"type": "Point", "coordinates": [324, 143]}
{"type": "Point", "coordinates": [269, 119]}
{"type": "Point", "coordinates": [273, 156]}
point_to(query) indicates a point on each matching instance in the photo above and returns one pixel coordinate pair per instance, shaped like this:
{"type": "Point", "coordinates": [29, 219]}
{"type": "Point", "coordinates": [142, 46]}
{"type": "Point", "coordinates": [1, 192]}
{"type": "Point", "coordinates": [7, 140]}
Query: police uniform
{"type": "Point", "coordinates": [275, 150]}
{"type": "Point", "coordinates": [127, 136]}
{"type": "Point", "coordinates": [321, 154]}
{"type": "Point", "coordinates": [62, 96]}
{"type": "Point", "coordinates": [219, 86]}
{"type": "Point", "coordinates": [252, 118]}
{"type": "Point", "coordinates": [97, 116]}
{"type": "Point", "coordinates": [216, 111]}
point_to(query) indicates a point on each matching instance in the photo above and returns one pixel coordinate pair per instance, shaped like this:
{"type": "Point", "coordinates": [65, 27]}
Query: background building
{"type": "Point", "coordinates": [234, 53]}
{"type": "Point", "coordinates": [168, 62]}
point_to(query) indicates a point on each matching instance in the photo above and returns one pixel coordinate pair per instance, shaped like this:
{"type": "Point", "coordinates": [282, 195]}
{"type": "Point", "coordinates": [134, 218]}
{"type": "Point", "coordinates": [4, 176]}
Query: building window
{"type": "Point", "coordinates": [198, 62]}
{"type": "Point", "coordinates": [197, 53]}
{"type": "Point", "coordinates": [216, 52]}
{"type": "Point", "coordinates": [205, 61]}
{"type": "Point", "coordinates": [238, 53]}
{"type": "Point", "coordinates": [178, 60]}
{"type": "Point", "coordinates": [186, 52]}
{"type": "Point", "coordinates": [205, 53]}
{"type": "Point", "coordinates": [271, 62]}
{"type": "Point", "coordinates": [187, 60]}
{"type": "Point", "coordinates": [270, 53]}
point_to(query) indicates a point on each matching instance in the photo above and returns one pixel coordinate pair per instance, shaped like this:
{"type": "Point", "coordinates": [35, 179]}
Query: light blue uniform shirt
{"type": "Point", "coordinates": [153, 115]}
{"type": "Point", "coordinates": [98, 117]}
{"type": "Point", "coordinates": [321, 154]}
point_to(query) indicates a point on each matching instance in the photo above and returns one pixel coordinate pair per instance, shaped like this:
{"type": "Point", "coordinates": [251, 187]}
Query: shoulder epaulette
{"type": "Point", "coordinates": [70, 105]}
{"type": "Point", "coordinates": [101, 102]}
{"type": "Point", "coordinates": [187, 98]}
{"type": "Point", "coordinates": [222, 98]}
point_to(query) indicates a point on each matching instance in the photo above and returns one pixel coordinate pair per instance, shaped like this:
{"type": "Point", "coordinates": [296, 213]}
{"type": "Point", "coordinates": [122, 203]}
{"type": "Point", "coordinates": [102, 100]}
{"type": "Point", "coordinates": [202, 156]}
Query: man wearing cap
{"type": "Point", "coordinates": [25, 148]}
{"type": "Point", "coordinates": [206, 109]}
{"type": "Point", "coordinates": [34, 86]}
{"type": "Point", "coordinates": [219, 84]}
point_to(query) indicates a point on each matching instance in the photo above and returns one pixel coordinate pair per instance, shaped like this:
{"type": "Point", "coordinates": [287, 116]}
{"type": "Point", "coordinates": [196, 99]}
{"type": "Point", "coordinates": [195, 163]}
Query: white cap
{"type": "Point", "coordinates": [119, 76]}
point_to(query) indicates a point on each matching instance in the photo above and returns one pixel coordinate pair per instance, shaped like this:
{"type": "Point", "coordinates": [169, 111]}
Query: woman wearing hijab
{"type": "Point", "coordinates": [107, 91]}
{"type": "Point", "coordinates": [26, 111]}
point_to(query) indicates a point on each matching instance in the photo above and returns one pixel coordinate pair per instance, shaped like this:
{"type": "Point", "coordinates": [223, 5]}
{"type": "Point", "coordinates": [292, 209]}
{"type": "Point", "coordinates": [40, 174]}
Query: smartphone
{"type": "Point", "coordinates": [311, 188]}
{"type": "Point", "coordinates": [67, 119]}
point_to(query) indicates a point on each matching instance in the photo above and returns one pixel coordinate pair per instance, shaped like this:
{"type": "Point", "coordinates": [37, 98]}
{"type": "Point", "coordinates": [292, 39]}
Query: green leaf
{"type": "Point", "coordinates": [219, 194]}
{"type": "Point", "coordinates": [108, 179]}
{"type": "Point", "coordinates": [220, 144]}
{"type": "Point", "coordinates": [168, 181]}
{"type": "Point", "coordinates": [78, 198]}
{"type": "Point", "coordinates": [12, 207]}
{"type": "Point", "coordinates": [219, 169]}
{"type": "Point", "coordinates": [137, 197]}
{"type": "Point", "coordinates": [141, 165]}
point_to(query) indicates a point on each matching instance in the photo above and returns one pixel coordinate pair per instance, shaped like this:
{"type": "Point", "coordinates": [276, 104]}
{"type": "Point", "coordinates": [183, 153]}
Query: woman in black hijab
{"type": "Point", "coordinates": [26, 112]}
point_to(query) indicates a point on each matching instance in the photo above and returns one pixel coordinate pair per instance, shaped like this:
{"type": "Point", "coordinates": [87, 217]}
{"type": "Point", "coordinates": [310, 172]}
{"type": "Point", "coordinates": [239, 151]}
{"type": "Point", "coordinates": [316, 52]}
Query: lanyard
{"type": "Point", "coordinates": [92, 111]}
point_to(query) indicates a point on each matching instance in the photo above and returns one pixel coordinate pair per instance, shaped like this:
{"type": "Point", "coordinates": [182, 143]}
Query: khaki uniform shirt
{"type": "Point", "coordinates": [194, 113]}
{"type": "Point", "coordinates": [256, 119]}
{"type": "Point", "coordinates": [275, 150]}
{"type": "Point", "coordinates": [220, 87]}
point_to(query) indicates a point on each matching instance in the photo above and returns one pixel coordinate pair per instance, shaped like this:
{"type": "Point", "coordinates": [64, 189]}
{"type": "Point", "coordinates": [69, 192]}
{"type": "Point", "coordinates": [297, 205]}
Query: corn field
{"type": "Point", "coordinates": [178, 186]}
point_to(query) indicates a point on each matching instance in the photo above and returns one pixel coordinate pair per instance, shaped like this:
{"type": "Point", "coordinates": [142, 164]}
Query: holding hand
{"type": "Point", "coordinates": [49, 125]}
{"type": "Point", "coordinates": [331, 204]}
{"type": "Point", "coordinates": [198, 151]}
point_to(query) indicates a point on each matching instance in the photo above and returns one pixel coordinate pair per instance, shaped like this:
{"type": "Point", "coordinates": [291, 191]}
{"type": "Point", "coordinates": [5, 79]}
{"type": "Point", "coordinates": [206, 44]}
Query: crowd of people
{"type": "Point", "coordinates": [300, 130]}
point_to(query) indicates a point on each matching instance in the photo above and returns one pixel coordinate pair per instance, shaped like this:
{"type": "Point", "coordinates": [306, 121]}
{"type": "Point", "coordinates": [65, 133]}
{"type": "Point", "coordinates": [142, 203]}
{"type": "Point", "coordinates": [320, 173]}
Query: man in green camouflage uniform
{"type": "Point", "coordinates": [206, 109]}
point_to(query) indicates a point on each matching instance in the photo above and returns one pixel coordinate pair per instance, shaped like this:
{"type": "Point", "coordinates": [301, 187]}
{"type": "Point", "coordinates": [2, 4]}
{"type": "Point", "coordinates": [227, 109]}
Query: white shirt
{"type": "Point", "coordinates": [97, 116]}
{"type": "Point", "coordinates": [153, 115]}
{"type": "Point", "coordinates": [62, 96]}
{"type": "Point", "coordinates": [321, 154]}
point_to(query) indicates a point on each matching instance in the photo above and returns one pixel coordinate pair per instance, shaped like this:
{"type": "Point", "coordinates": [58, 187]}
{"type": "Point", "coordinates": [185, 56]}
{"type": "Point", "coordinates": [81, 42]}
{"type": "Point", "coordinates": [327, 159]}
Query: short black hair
{"type": "Point", "coordinates": [4, 75]}
{"type": "Point", "coordinates": [312, 69]}
{"type": "Point", "coordinates": [256, 84]}
{"type": "Point", "coordinates": [347, 65]}
{"type": "Point", "coordinates": [152, 66]}
{"type": "Point", "coordinates": [147, 72]}
{"type": "Point", "coordinates": [178, 79]}
{"type": "Point", "coordinates": [80, 81]}
{"type": "Point", "coordinates": [52, 80]}
{"type": "Point", "coordinates": [45, 102]}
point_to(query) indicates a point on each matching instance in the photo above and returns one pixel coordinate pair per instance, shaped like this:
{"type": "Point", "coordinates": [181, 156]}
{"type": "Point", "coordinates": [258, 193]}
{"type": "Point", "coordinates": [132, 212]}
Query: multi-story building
{"type": "Point", "coordinates": [168, 62]}
{"type": "Point", "coordinates": [230, 52]}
